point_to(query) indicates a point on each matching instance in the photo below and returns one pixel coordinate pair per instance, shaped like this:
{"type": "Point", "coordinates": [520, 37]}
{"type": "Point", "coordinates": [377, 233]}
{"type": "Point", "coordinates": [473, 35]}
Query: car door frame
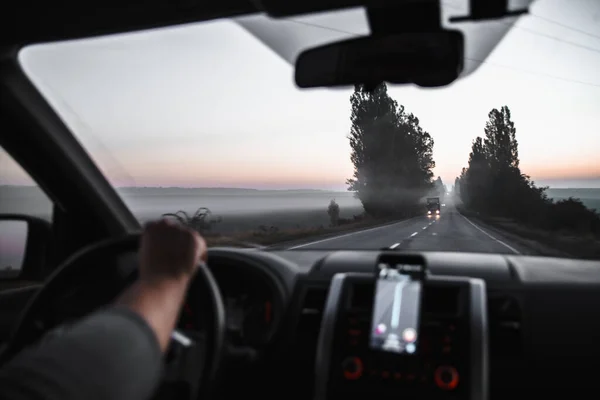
{"type": "Point", "coordinates": [86, 206]}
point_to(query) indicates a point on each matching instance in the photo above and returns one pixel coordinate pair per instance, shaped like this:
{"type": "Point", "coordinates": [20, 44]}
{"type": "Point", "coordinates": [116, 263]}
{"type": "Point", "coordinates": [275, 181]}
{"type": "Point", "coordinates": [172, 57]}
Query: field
{"type": "Point", "coordinates": [243, 210]}
{"type": "Point", "coordinates": [258, 216]}
{"type": "Point", "coordinates": [239, 209]}
{"type": "Point", "coordinates": [589, 197]}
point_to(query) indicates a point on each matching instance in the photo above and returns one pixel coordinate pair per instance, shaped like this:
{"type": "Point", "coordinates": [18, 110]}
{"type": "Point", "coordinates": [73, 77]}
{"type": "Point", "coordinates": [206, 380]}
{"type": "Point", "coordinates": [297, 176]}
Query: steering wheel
{"type": "Point", "coordinates": [192, 360]}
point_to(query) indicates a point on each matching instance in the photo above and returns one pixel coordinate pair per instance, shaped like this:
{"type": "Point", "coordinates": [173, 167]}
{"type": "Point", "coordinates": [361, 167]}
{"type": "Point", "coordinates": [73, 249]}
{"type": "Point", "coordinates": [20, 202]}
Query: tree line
{"type": "Point", "coordinates": [392, 155]}
{"type": "Point", "coordinates": [494, 185]}
{"type": "Point", "coordinates": [393, 169]}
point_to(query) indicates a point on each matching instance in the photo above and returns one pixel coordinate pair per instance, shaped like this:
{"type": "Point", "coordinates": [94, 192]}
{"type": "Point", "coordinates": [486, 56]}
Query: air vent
{"type": "Point", "coordinates": [309, 321]}
{"type": "Point", "coordinates": [504, 318]}
{"type": "Point", "coordinates": [304, 351]}
{"type": "Point", "coordinates": [311, 313]}
{"type": "Point", "coordinates": [307, 330]}
{"type": "Point", "coordinates": [314, 301]}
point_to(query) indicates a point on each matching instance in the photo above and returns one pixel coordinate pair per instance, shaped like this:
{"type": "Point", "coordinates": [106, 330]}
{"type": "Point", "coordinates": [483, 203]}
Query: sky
{"type": "Point", "coordinates": [210, 105]}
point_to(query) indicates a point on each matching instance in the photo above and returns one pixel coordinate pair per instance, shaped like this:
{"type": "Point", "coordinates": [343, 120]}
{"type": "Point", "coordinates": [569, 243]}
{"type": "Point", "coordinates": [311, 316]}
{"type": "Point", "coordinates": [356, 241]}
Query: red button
{"type": "Point", "coordinates": [353, 368]}
{"type": "Point", "coordinates": [446, 377]}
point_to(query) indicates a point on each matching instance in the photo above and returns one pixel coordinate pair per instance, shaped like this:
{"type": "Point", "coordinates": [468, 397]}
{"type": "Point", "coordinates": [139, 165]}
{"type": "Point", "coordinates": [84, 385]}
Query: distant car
{"type": "Point", "coordinates": [433, 206]}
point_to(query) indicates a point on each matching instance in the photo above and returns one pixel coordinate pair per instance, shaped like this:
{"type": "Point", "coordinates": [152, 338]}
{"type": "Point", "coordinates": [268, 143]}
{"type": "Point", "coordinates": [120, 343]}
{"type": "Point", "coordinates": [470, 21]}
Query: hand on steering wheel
{"type": "Point", "coordinates": [170, 251]}
{"type": "Point", "coordinates": [169, 256]}
{"type": "Point", "coordinates": [196, 365]}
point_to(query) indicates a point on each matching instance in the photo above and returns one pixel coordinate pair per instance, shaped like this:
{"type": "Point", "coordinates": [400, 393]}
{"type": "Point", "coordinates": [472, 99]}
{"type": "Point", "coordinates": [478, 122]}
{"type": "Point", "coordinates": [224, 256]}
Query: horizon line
{"type": "Point", "coordinates": [257, 189]}
{"type": "Point", "coordinates": [202, 187]}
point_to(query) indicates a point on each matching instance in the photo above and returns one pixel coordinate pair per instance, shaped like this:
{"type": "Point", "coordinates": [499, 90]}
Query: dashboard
{"type": "Point", "coordinates": [493, 325]}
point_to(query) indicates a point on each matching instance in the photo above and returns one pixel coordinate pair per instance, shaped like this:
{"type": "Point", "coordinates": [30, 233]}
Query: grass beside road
{"type": "Point", "coordinates": [544, 242]}
{"type": "Point", "coordinates": [284, 227]}
{"type": "Point", "coordinates": [285, 236]}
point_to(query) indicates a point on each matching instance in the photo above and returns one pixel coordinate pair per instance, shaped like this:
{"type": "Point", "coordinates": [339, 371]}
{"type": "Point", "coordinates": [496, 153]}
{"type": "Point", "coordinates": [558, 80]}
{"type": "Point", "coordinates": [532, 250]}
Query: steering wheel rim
{"type": "Point", "coordinates": [22, 337]}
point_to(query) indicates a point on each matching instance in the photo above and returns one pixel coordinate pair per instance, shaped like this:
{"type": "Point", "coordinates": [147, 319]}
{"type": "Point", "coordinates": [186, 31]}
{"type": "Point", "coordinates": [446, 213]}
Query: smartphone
{"type": "Point", "coordinates": [397, 306]}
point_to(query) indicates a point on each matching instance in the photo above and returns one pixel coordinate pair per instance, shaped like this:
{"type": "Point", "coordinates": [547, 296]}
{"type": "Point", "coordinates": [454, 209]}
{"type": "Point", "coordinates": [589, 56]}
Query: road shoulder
{"type": "Point", "coordinates": [308, 241]}
{"type": "Point", "coordinates": [524, 246]}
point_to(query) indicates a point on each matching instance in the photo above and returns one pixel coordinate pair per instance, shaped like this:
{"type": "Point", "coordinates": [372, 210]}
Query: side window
{"type": "Point", "coordinates": [19, 194]}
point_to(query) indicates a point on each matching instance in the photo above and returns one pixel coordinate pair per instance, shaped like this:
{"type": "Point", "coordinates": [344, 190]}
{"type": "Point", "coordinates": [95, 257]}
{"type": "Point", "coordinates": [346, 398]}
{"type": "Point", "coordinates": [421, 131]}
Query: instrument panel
{"type": "Point", "coordinates": [253, 304]}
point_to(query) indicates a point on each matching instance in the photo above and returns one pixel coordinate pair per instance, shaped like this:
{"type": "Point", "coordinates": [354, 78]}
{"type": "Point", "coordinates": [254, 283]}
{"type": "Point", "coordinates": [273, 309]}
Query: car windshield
{"type": "Point", "coordinates": [204, 123]}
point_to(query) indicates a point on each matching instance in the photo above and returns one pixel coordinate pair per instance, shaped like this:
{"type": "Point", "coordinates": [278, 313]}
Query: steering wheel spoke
{"type": "Point", "coordinates": [184, 366]}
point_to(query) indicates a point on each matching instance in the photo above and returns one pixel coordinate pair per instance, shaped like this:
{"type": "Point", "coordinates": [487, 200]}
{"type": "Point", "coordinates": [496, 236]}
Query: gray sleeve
{"type": "Point", "coordinates": [111, 354]}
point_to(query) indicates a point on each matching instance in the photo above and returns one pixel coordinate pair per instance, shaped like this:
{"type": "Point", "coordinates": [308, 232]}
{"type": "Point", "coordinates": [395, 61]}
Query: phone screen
{"type": "Point", "coordinates": [397, 307]}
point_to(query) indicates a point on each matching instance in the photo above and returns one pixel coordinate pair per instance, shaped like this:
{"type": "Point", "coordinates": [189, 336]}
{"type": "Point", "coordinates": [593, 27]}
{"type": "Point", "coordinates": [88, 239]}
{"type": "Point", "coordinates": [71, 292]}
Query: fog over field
{"type": "Point", "coordinates": [149, 201]}
{"type": "Point", "coordinates": [240, 209]}
{"type": "Point", "coordinates": [243, 209]}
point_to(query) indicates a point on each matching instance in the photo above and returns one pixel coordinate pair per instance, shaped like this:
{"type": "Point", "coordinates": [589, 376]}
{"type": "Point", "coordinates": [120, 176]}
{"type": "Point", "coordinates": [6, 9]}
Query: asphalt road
{"type": "Point", "coordinates": [451, 231]}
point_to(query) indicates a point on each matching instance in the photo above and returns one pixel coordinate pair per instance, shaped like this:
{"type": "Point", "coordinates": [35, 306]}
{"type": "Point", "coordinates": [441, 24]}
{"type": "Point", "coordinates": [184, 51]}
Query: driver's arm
{"type": "Point", "coordinates": [115, 353]}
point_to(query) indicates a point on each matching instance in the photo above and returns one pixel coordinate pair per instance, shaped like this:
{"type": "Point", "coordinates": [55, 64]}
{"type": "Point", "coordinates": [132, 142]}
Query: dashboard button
{"type": "Point", "coordinates": [353, 368]}
{"type": "Point", "coordinates": [446, 377]}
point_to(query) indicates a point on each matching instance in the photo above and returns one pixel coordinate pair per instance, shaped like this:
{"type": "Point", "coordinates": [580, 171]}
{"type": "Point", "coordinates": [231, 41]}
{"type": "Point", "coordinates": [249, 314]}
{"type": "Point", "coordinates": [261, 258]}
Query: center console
{"type": "Point", "coordinates": [451, 362]}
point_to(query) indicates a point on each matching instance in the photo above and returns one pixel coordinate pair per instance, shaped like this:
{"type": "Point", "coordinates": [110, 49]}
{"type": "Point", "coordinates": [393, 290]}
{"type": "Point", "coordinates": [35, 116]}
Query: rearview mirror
{"type": "Point", "coordinates": [24, 242]}
{"type": "Point", "coordinates": [426, 59]}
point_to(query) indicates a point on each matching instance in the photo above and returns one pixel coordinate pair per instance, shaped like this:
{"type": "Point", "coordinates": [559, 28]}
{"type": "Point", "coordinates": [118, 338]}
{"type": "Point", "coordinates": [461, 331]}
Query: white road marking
{"type": "Point", "coordinates": [434, 234]}
{"type": "Point", "coordinates": [414, 234]}
{"type": "Point", "coordinates": [397, 303]}
{"type": "Point", "coordinates": [492, 237]}
{"type": "Point", "coordinates": [425, 227]}
{"type": "Point", "coordinates": [351, 234]}
{"type": "Point", "coordinates": [394, 245]}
